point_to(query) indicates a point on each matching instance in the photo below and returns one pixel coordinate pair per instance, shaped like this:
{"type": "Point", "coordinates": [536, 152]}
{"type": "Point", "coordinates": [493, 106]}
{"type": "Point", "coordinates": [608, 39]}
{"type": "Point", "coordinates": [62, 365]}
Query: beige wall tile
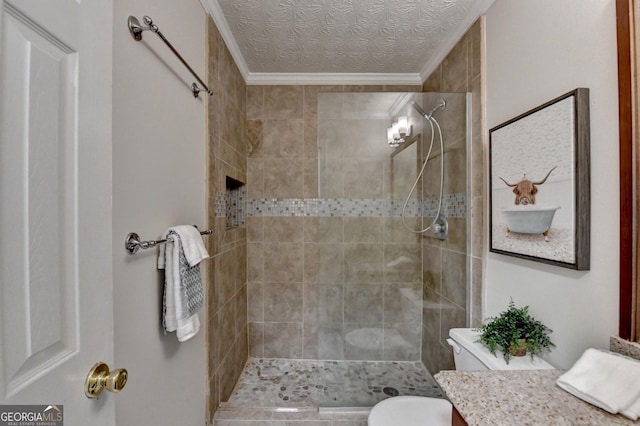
{"type": "Point", "coordinates": [323, 229]}
{"type": "Point", "coordinates": [363, 179]}
{"type": "Point", "coordinates": [455, 68]}
{"type": "Point", "coordinates": [475, 48]}
{"type": "Point", "coordinates": [363, 263]}
{"type": "Point", "coordinates": [363, 229]}
{"type": "Point", "coordinates": [395, 232]}
{"type": "Point", "coordinates": [433, 83]}
{"type": "Point", "coordinates": [403, 303]}
{"type": "Point", "coordinates": [331, 304]}
{"type": "Point", "coordinates": [310, 177]}
{"type": "Point", "coordinates": [255, 178]}
{"type": "Point", "coordinates": [402, 263]}
{"type": "Point", "coordinates": [454, 277]}
{"type": "Point", "coordinates": [330, 262]}
{"type": "Point", "coordinates": [255, 229]}
{"type": "Point", "coordinates": [477, 268]}
{"type": "Point", "coordinates": [283, 302]}
{"type": "Point", "coordinates": [255, 264]}
{"type": "Point", "coordinates": [363, 303]}
{"type": "Point", "coordinates": [310, 139]}
{"type": "Point", "coordinates": [363, 88]}
{"type": "Point", "coordinates": [282, 178]}
{"type": "Point", "coordinates": [284, 229]}
{"type": "Point", "coordinates": [255, 103]}
{"type": "Point", "coordinates": [358, 348]}
{"type": "Point", "coordinates": [255, 138]}
{"type": "Point", "coordinates": [478, 237]}
{"type": "Point", "coordinates": [256, 339]}
{"type": "Point", "coordinates": [402, 341]}
{"type": "Point", "coordinates": [283, 102]}
{"type": "Point", "coordinates": [402, 88]}
{"type": "Point", "coordinates": [283, 262]}
{"type": "Point", "coordinates": [283, 138]}
{"type": "Point", "coordinates": [311, 99]}
{"type": "Point", "coordinates": [283, 340]}
{"type": "Point", "coordinates": [255, 302]}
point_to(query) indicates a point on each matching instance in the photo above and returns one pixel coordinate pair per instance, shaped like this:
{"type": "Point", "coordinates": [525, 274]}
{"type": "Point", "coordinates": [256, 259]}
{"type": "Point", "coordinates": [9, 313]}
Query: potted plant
{"type": "Point", "coordinates": [515, 332]}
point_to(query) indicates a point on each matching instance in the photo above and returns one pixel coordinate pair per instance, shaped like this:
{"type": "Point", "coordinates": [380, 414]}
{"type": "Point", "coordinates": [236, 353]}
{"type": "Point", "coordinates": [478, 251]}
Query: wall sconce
{"type": "Point", "coordinates": [398, 131]}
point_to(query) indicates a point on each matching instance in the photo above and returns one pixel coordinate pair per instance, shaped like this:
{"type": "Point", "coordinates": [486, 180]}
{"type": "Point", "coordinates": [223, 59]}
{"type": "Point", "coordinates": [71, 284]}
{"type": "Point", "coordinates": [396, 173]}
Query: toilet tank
{"type": "Point", "coordinates": [470, 355]}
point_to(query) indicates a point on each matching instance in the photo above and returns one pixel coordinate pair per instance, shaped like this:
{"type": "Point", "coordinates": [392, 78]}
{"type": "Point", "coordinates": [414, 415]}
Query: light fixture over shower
{"type": "Point", "coordinates": [398, 131]}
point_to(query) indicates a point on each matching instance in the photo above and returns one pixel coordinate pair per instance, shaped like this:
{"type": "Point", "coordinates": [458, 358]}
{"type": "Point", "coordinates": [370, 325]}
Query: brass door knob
{"type": "Point", "coordinates": [100, 378]}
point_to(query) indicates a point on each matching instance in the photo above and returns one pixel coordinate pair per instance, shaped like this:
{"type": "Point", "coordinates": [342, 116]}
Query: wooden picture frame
{"type": "Point", "coordinates": [539, 183]}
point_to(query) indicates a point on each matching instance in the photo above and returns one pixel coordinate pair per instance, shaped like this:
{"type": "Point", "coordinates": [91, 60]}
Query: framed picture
{"type": "Point", "coordinates": [539, 183]}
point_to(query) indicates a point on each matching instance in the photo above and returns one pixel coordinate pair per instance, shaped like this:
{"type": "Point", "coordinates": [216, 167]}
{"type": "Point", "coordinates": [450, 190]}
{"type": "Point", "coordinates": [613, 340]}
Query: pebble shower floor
{"type": "Point", "coordinates": [269, 383]}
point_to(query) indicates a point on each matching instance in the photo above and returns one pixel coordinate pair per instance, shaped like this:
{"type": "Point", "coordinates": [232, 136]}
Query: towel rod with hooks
{"type": "Point", "coordinates": [132, 241]}
{"type": "Point", "coordinates": [136, 29]}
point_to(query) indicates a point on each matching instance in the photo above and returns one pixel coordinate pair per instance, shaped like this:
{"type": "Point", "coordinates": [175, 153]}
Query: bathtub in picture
{"type": "Point", "coordinates": [529, 219]}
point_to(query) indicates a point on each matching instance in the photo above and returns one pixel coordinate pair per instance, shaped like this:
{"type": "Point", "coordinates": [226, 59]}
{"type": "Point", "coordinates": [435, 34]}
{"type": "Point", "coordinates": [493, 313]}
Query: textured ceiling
{"type": "Point", "coordinates": [342, 36]}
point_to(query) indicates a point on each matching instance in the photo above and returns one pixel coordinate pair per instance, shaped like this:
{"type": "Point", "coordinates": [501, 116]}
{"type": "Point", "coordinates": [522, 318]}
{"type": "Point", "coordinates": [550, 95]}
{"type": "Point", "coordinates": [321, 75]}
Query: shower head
{"type": "Point", "coordinates": [420, 110]}
{"type": "Point", "coordinates": [426, 115]}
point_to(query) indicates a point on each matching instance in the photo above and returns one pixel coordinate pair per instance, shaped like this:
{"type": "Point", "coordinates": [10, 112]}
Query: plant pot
{"type": "Point", "coordinates": [519, 349]}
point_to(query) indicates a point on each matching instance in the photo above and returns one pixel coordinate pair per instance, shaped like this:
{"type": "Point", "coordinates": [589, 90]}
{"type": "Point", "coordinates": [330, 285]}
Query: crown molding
{"type": "Point", "coordinates": [368, 79]}
{"type": "Point", "coordinates": [213, 9]}
{"type": "Point", "coordinates": [478, 8]}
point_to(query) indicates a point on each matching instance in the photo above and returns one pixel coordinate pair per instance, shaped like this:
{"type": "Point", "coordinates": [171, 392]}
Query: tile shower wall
{"type": "Point", "coordinates": [227, 289]}
{"type": "Point", "coordinates": [316, 259]}
{"type": "Point", "coordinates": [450, 264]}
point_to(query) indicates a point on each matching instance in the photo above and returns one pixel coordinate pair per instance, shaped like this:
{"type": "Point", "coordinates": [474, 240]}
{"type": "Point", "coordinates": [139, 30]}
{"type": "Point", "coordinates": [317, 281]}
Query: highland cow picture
{"type": "Point", "coordinates": [539, 183]}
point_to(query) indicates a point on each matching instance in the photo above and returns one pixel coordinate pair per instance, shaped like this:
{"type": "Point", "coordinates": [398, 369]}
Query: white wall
{"type": "Point", "coordinates": [159, 170]}
{"type": "Point", "coordinates": [537, 51]}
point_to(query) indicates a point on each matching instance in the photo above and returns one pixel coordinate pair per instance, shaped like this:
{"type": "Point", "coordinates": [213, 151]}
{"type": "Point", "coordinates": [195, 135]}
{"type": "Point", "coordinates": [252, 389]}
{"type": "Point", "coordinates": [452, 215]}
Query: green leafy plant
{"type": "Point", "coordinates": [513, 329]}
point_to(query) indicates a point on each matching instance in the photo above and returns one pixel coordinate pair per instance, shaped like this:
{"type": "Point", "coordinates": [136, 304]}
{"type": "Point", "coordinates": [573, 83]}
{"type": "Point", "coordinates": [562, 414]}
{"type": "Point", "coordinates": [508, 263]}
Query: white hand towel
{"type": "Point", "coordinates": [192, 244]}
{"type": "Point", "coordinates": [604, 379]}
{"type": "Point", "coordinates": [162, 248]}
{"type": "Point", "coordinates": [169, 320]}
{"type": "Point", "coordinates": [188, 328]}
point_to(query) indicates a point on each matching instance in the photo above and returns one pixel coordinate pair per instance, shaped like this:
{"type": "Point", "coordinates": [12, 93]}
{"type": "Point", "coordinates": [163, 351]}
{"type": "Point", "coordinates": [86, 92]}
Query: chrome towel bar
{"type": "Point", "coordinates": [132, 242]}
{"type": "Point", "coordinates": [136, 29]}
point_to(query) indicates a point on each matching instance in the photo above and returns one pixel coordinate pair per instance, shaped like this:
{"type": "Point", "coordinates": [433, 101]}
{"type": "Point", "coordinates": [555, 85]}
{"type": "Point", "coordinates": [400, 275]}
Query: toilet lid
{"type": "Point", "coordinates": [411, 411]}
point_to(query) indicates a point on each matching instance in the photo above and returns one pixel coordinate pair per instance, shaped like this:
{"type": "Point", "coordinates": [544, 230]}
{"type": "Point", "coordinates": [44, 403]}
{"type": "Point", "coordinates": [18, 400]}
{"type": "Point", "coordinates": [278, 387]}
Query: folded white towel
{"type": "Point", "coordinates": [632, 411]}
{"type": "Point", "coordinates": [604, 379]}
{"type": "Point", "coordinates": [192, 244]}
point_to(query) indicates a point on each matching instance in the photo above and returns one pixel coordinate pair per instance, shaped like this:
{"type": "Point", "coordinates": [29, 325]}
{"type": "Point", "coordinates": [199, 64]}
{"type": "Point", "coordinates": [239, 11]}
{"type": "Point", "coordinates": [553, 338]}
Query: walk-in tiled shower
{"type": "Point", "coordinates": [333, 274]}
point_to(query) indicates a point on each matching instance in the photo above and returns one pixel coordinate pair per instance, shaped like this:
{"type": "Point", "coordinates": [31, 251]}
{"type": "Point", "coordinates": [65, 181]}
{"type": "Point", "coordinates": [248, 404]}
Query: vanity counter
{"type": "Point", "coordinates": [522, 397]}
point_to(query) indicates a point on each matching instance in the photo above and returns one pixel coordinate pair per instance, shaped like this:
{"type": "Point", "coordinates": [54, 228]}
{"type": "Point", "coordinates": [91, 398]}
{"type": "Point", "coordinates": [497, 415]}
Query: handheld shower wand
{"type": "Point", "coordinates": [439, 226]}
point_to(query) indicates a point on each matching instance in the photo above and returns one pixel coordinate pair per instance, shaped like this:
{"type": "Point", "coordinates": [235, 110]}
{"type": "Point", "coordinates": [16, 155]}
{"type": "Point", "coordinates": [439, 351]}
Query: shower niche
{"type": "Point", "coordinates": [234, 203]}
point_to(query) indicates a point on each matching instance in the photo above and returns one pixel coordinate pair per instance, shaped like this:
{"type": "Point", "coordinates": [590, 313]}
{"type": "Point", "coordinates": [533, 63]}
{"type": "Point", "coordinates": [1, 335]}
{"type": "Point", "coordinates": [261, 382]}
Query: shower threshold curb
{"type": "Point", "coordinates": [276, 414]}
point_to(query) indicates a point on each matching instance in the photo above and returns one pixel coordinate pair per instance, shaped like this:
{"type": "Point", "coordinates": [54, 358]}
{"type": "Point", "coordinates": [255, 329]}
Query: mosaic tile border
{"type": "Point", "coordinates": [235, 207]}
{"type": "Point", "coordinates": [453, 205]}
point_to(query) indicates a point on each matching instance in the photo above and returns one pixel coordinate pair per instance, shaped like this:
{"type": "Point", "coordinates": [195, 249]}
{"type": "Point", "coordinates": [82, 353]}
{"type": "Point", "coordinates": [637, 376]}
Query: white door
{"type": "Point", "coordinates": [56, 301]}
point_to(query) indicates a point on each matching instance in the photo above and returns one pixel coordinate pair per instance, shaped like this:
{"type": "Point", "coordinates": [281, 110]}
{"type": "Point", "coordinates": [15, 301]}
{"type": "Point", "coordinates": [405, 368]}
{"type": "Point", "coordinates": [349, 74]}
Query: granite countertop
{"type": "Point", "coordinates": [521, 397]}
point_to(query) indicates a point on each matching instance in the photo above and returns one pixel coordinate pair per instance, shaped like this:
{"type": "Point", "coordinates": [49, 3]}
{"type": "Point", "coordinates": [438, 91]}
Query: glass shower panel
{"type": "Point", "coordinates": [370, 273]}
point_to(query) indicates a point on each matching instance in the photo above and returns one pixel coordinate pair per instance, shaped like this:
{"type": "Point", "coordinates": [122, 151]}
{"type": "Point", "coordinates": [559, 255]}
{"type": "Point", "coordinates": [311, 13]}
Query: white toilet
{"type": "Point", "coordinates": [468, 356]}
